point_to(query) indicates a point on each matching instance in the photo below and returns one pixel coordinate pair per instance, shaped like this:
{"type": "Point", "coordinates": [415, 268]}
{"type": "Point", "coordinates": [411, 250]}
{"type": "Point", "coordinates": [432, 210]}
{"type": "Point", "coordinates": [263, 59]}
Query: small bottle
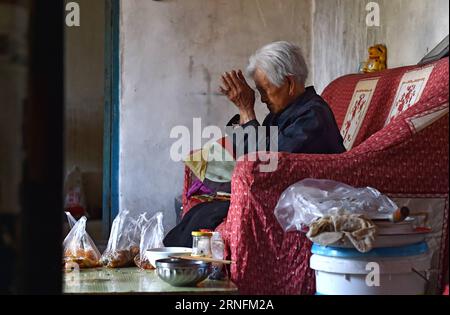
{"type": "Point", "coordinates": [217, 248]}
{"type": "Point", "coordinates": [201, 244]}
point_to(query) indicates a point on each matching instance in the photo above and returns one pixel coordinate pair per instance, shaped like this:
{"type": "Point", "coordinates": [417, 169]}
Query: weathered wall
{"type": "Point", "coordinates": [173, 53]}
{"type": "Point", "coordinates": [84, 89]}
{"type": "Point", "coordinates": [409, 28]}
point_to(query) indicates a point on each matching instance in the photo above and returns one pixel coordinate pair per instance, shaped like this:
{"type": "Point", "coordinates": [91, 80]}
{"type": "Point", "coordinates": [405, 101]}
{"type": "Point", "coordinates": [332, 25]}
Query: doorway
{"type": "Point", "coordinates": [91, 112]}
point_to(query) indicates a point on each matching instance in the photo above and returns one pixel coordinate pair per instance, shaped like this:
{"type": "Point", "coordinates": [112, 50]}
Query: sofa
{"type": "Point", "coordinates": [395, 128]}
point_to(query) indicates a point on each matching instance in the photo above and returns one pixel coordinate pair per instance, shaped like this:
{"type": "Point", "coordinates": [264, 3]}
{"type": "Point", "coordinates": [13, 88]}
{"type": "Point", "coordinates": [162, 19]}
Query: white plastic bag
{"type": "Point", "coordinates": [79, 248]}
{"type": "Point", "coordinates": [310, 199]}
{"type": "Point", "coordinates": [71, 220]}
{"type": "Point", "coordinates": [123, 243]}
{"type": "Point", "coordinates": [152, 235]}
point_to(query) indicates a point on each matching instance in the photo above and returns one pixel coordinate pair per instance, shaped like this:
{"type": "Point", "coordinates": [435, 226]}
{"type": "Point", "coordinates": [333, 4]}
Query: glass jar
{"type": "Point", "coordinates": [217, 247]}
{"type": "Point", "coordinates": [201, 244]}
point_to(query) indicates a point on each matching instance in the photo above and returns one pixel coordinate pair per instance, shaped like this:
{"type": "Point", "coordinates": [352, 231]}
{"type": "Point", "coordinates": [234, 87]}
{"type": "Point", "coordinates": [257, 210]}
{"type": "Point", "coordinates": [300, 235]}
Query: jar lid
{"type": "Point", "coordinates": [201, 233]}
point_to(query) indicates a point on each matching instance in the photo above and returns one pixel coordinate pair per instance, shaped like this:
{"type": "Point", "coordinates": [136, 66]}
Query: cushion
{"type": "Point", "coordinates": [357, 110]}
{"type": "Point", "coordinates": [409, 91]}
{"type": "Point", "coordinates": [214, 162]}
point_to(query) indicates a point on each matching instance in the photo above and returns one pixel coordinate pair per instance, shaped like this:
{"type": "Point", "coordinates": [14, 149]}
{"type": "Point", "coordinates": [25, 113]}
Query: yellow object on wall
{"type": "Point", "coordinates": [377, 59]}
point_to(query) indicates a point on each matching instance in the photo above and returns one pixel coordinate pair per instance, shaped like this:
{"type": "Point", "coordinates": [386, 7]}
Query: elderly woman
{"type": "Point", "coordinates": [304, 121]}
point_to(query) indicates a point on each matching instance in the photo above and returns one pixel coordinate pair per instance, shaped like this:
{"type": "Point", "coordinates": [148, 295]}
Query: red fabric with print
{"type": "Point", "coordinates": [396, 159]}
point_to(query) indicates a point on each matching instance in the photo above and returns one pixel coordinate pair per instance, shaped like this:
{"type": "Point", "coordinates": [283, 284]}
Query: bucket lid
{"type": "Point", "coordinates": [409, 250]}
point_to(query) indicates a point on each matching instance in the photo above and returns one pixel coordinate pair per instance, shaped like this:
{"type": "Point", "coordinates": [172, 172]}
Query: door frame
{"type": "Point", "coordinates": [111, 136]}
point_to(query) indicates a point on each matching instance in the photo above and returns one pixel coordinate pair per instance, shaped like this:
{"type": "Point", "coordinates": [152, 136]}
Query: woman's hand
{"type": "Point", "coordinates": [236, 88]}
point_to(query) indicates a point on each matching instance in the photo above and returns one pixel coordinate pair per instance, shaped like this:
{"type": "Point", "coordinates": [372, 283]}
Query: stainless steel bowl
{"type": "Point", "coordinates": [182, 272]}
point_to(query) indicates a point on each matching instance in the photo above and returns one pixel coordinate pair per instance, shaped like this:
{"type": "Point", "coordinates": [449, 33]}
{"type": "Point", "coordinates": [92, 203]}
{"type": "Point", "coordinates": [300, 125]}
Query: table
{"type": "Point", "coordinates": [135, 281]}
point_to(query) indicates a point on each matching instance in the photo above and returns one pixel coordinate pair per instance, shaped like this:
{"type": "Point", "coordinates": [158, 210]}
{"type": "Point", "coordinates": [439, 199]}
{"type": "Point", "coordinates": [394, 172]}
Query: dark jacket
{"type": "Point", "coordinates": [306, 126]}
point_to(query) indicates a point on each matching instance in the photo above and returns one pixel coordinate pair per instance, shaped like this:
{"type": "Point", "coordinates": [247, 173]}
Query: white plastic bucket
{"type": "Point", "coordinates": [347, 272]}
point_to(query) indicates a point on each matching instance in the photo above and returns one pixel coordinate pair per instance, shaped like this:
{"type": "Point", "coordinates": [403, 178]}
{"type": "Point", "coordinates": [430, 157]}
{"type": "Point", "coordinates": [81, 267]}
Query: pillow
{"type": "Point", "coordinates": [409, 91]}
{"type": "Point", "coordinates": [214, 162]}
{"type": "Point", "coordinates": [357, 110]}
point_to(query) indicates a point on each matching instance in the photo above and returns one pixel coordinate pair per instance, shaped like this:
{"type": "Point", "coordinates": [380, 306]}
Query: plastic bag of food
{"type": "Point", "coordinates": [74, 197]}
{"type": "Point", "coordinates": [79, 248]}
{"type": "Point", "coordinates": [123, 243]}
{"type": "Point", "coordinates": [310, 199]}
{"type": "Point", "coordinates": [72, 221]}
{"type": "Point", "coordinates": [152, 235]}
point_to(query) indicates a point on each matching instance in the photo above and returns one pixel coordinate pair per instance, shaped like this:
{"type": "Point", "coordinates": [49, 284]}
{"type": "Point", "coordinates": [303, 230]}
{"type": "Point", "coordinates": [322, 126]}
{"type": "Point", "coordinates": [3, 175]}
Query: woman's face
{"type": "Point", "coordinates": [276, 98]}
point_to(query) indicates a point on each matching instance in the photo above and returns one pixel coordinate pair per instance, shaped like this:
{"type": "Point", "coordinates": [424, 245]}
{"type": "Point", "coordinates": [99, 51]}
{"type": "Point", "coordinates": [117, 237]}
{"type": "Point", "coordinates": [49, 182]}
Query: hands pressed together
{"type": "Point", "coordinates": [236, 88]}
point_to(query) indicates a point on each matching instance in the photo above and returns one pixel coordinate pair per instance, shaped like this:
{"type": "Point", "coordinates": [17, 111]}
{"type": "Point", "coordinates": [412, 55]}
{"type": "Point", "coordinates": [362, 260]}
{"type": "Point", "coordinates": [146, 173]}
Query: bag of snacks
{"type": "Point", "coordinates": [71, 220]}
{"type": "Point", "coordinates": [152, 235]}
{"type": "Point", "coordinates": [123, 243]}
{"type": "Point", "coordinates": [79, 248]}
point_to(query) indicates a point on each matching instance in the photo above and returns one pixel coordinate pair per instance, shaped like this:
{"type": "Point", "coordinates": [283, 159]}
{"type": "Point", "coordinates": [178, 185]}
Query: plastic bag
{"type": "Point", "coordinates": [74, 197]}
{"type": "Point", "coordinates": [79, 248]}
{"type": "Point", "coordinates": [72, 221]}
{"type": "Point", "coordinates": [123, 243]}
{"type": "Point", "coordinates": [152, 235]}
{"type": "Point", "coordinates": [310, 199]}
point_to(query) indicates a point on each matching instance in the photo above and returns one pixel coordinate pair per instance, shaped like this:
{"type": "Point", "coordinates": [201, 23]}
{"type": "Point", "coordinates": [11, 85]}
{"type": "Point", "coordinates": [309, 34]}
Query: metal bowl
{"type": "Point", "coordinates": [181, 272]}
{"type": "Point", "coordinates": [155, 254]}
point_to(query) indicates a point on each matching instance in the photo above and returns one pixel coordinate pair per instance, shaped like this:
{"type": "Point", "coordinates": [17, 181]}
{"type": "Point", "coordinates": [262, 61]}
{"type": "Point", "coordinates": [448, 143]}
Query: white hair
{"type": "Point", "coordinates": [279, 60]}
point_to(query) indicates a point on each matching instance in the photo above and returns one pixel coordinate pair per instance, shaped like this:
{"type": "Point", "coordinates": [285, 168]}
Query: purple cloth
{"type": "Point", "coordinates": [198, 188]}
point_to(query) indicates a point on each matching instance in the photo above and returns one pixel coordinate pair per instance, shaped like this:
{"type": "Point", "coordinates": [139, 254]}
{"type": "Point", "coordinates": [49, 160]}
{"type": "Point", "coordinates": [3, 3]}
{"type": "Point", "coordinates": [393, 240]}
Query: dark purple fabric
{"type": "Point", "coordinates": [198, 188]}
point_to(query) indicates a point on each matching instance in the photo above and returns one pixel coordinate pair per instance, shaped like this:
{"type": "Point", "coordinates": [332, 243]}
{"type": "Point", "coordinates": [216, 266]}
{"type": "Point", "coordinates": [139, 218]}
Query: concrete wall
{"type": "Point", "coordinates": [173, 53]}
{"type": "Point", "coordinates": [409, 28]}
{"type": "Point", "coordinates": [84, 88]}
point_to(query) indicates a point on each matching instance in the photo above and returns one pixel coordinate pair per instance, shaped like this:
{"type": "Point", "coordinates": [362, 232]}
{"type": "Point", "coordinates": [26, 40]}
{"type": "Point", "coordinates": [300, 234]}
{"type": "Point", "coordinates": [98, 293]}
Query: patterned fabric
{"type": "Point", "coordinates": [397, 159]}
{"type": "Point", "coordinates": [410, 90]}
{"type": "Point", "coordinates": [357, 110]}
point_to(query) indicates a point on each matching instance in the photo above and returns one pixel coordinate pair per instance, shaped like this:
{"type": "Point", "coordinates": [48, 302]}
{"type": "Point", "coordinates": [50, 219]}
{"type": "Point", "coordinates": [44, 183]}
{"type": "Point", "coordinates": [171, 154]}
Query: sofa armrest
{"type": "Point", "coordinates": [394, 160]}
{"type": "Point", "coordinates": [413, 164]}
